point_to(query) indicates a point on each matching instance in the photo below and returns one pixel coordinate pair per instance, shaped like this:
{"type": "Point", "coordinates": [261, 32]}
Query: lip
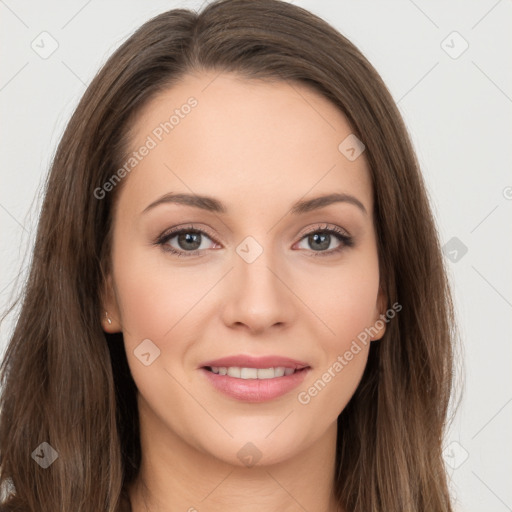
{"type": "Point", "coordinates": [255, 390]}
{"type": "Point", "coordinates": [246, 361]}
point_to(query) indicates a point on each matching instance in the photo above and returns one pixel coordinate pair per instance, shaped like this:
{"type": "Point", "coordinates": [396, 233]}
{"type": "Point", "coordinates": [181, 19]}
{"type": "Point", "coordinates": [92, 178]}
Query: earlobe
{"type": "Point", "coordinates": [379, 327]}
{"type": "Point", "coordinates": [110, 324]}
{"type": "Point", "coordinates": [110, 311]}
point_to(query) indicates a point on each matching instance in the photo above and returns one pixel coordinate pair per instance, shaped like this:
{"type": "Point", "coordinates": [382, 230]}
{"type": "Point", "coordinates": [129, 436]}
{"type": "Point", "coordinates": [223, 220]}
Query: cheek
{"type": "Point", "coordinates": [329, 389]}
{"type": "Point", "coordinates": [157, 304]}
{"type": "Point", "coordinates": [343, 298]}
{"type": "Point", "coordinates": [154, 292]}
{"type": "Point", "coordinates": [347, 311]}
{"type": "Point", "coordinates": [163, 302]}
{"type": "Point", "coordinates": [144, 309]}
{"type": "Point", "coordinates": [150, 301]}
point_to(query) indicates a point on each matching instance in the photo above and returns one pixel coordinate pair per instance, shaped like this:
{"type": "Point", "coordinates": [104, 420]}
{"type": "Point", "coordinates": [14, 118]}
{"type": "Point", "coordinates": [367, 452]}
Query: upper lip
{"type": "Point", "coordinates": [247, 361]}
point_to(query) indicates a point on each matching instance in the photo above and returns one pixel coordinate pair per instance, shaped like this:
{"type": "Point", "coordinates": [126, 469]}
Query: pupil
{"type": "Point", "coordinates": [324, 244]}
{"type": "Point", "coordinates": [189, 238]}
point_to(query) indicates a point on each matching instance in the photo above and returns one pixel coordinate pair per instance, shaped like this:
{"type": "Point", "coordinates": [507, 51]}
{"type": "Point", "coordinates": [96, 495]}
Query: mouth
{"type": "Point", "coordinates": [249, 384]}
{"type": "Point", "coordinates": [245, 373]}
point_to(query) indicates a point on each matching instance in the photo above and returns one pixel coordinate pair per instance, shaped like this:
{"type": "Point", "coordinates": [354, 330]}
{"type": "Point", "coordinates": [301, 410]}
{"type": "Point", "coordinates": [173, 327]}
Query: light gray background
{"type": "Point", "coordinates": [458, 111]}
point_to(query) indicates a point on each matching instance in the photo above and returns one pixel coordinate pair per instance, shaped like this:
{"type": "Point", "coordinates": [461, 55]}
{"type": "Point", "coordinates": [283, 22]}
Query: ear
{"type": "Point", "coordinates": [379, 324]}
{"type": "Point", "coordinates": [110, 318]}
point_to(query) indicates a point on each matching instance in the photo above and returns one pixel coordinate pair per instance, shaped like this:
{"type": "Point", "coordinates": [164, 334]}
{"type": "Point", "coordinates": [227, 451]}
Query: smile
{"type": "Point", "coordinates": [252, 373]}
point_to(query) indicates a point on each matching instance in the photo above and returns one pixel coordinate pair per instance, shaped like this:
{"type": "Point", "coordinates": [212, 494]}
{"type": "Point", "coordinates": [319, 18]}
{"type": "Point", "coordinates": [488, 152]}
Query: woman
{"type": "Point", "coordinates": [299, 357]}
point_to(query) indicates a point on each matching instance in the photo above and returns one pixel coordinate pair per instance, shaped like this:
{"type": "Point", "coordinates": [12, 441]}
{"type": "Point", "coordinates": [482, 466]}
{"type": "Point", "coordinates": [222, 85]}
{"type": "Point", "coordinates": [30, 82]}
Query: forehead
{"type": "Point", "coordinates": [230, 137]}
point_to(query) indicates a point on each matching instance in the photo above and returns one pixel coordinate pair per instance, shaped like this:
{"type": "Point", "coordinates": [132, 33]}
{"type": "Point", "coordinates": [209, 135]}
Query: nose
{"type": "Point", "coordinates": [258, 295]}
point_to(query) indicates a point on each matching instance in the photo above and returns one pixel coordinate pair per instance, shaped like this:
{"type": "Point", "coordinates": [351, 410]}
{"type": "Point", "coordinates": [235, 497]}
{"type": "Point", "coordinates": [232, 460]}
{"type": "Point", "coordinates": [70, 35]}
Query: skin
{"type": "Point", "coordinates": [258, 147]}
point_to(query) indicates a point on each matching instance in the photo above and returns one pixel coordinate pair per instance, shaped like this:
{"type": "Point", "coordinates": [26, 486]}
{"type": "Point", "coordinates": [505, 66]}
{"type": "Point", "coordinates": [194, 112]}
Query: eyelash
{"type": "Point", "coordinates": [346, 241]}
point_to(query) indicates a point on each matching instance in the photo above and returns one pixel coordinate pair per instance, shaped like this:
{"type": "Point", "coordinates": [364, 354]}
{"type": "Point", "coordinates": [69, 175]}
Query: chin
{"type": "Point", "coordinates": [249, 448]}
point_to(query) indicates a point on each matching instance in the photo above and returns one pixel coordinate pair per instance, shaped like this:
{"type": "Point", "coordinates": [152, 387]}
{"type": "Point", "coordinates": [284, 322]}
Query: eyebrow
{"type": "Point", "coordinates": [214, 205]}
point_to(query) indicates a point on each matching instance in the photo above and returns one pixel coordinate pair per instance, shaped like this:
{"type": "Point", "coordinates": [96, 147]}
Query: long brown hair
{"type": "Point", "coordinates": [67, 383]}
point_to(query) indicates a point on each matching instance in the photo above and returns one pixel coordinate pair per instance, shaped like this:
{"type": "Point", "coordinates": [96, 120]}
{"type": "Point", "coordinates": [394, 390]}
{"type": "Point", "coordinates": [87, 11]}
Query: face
{"type": "Point", "coordinates": [256, 271]}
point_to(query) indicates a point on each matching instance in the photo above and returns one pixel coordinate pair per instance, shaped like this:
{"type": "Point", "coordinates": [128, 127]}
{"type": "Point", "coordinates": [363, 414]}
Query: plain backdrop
{"type": "Point", "coordinates": [447, 64]}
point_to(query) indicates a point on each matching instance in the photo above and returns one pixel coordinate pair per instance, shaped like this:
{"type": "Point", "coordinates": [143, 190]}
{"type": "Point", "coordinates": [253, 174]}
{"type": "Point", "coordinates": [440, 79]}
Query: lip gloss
{"type": "Point", "coordinates": [255, 390]}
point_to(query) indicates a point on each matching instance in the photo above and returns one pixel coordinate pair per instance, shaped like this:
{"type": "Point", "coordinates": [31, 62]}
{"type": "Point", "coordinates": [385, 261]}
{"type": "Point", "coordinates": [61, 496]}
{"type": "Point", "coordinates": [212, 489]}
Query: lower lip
{"type": "Point", "coordinates": [255, 390]}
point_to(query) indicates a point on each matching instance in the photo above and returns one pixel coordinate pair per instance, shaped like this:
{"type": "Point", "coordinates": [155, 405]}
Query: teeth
{"type": "Point", "coordinates": [233, 371]}
{"type": "Point", "coordinates": [279, 371]}
{"type": "Point", "coordinates": [253, 373]}
{"type": "Point", "coordinates": [265, 373]}
{"type": "Point", "coordinates": [248, 373]}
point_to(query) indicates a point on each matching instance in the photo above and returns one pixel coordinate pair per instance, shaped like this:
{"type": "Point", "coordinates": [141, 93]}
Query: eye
{"type": "Point", "coordinates": [191, 241]}
{"type": "Point", "coordinates": [321, 239]}
{"type": "Point", "coordinates": [188, 239]}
